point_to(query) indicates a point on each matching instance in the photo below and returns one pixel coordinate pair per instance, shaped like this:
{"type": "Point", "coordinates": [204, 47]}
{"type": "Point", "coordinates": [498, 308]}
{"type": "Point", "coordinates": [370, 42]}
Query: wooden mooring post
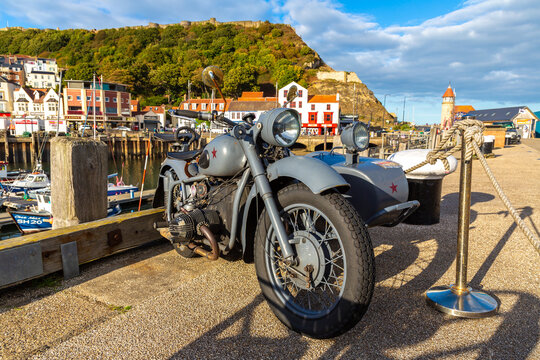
{"type": "Point", "coordinates": [78, 180]}
{"type": "Point", "coordinates": [6, 146]}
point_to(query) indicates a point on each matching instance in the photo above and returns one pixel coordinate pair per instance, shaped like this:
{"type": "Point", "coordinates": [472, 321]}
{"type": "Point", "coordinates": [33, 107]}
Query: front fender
{"type": "Point", "coordinates": [315, 174]}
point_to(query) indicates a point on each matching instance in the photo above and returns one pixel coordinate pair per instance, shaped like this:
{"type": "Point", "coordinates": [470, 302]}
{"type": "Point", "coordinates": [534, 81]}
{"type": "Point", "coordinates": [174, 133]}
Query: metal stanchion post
{"type": "Point", "coordinates": [458, 299]}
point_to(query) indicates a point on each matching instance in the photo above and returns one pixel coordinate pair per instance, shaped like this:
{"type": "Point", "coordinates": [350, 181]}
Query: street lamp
{"type": "Point", "coordinates": [384, 110]}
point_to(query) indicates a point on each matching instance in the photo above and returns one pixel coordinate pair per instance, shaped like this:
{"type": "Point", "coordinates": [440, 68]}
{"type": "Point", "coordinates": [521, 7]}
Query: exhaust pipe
{"type": "Point", "coordinates": [210, 255]}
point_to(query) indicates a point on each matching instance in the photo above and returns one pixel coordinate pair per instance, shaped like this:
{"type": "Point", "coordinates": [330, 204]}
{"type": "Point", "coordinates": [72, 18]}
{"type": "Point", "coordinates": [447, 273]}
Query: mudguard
{"type": "Point", "coordinates": [178, 167]}
{"type": "Point", "coordinates": [314, 173]}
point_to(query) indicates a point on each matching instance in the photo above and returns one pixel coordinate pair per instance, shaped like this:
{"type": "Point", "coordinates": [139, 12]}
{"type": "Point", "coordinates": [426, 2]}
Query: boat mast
{"type": "Point", "coordinates": [94, 102]}
{"type": "Point", "coordinates": [58, 104]}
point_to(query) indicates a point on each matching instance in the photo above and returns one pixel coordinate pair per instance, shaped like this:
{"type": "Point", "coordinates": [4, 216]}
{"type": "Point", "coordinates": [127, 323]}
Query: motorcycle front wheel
{"type": "Point", "coordinates": [329, 289]}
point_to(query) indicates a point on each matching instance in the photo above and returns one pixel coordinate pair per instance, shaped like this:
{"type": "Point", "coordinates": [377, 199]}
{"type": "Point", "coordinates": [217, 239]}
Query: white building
{"type": "Point", "coordinates": [6, 96]}
{"type": "Point", "coordinates": [41, 73]}
{"type": "Point", "coordinates": [29, 124]}
{"type": "Point", "coordinates": [317, 112]}
{"type": "Point", "coordinates": [33, 104]}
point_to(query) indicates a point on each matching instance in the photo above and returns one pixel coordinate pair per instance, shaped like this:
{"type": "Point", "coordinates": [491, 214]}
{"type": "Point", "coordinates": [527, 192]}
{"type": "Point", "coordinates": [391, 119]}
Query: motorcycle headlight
{"type": "Point", "coordinates": [355, 137]}
{"type": "Point", "coordinates": [280, 127]}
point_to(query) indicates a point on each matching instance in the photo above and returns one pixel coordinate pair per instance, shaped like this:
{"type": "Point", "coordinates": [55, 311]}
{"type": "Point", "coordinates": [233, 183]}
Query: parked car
{"type": "Point", "coordinates": [86, 128]}
{"type": "Point", "coordinates": [512, 136]}
{"type": "Point", "coordinates": [123, 128]}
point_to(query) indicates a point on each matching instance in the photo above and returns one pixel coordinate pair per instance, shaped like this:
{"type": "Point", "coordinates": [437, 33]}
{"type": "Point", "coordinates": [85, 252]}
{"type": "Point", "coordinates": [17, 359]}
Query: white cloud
{"type": "Point", "coordinates": [488, 49]}
{"type": "Point", "coordinates": [100, 14]}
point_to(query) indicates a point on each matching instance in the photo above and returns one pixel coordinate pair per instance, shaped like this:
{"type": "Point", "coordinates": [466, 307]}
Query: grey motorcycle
{"type": "Point", "coordinates": [246, 192]}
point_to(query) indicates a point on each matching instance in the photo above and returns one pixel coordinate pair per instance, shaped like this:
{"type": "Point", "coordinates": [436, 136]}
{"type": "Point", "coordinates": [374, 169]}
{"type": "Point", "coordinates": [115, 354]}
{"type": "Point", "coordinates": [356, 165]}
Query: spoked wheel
{"type": "Point", "coordinates": [329, 289]}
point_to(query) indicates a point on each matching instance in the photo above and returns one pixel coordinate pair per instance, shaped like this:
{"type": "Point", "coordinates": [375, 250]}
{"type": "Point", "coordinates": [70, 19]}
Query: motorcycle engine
{"type": "Point", "coordinates": [187, 226]}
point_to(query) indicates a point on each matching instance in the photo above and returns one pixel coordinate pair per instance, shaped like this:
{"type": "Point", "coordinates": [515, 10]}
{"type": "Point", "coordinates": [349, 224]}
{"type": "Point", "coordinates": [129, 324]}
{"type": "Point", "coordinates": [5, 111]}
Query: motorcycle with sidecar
{"type": "Point", "coordinates": [303, 220]}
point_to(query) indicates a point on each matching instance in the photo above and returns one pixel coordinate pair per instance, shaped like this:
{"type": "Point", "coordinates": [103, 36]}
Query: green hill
{"type": "Point", "coordinates": [162, 59]}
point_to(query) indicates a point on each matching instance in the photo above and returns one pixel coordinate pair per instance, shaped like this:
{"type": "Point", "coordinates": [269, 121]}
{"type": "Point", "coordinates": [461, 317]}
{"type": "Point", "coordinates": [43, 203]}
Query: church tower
{"type": "Point", "coordinates": [447, 113]}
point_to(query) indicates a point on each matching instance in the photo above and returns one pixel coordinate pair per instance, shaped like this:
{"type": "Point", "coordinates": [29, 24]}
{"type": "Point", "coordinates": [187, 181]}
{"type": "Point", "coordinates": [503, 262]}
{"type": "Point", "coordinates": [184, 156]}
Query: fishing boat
{"type": "Point", "coordinates": [40, 218]}
{"type": "Point", "coordinates": [33, 181]}
{"type": "Point", "coordinates": [119, 187]}
{"type": "Point", "coordinates": [7, 177]}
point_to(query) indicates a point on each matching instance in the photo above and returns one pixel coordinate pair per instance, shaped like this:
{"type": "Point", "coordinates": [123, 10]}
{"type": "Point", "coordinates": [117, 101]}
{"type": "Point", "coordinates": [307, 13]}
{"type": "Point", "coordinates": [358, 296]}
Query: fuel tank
{"type": "Point", "coordinates": [223, 156]}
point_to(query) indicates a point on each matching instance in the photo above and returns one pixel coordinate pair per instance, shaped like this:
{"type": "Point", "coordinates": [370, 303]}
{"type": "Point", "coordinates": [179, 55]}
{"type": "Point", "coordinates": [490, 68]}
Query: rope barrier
{"type": "Point", "coordinates": [533, 239]}
{"type": "Point", "coordinates": [472, 133]}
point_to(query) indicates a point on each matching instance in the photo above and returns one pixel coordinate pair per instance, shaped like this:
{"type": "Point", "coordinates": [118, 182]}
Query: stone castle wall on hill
{"type": "Point", "coordinates": [185, 23]}
{"type": "Point", "coordinates": [342, 76]}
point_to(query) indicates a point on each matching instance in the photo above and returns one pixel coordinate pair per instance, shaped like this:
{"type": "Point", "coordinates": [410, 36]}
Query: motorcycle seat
{"type": "Point", "coordinates": [184, 155]}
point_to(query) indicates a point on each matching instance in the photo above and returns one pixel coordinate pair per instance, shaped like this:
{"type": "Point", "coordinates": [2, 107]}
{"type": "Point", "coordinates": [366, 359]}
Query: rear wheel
{"type": "Point", "coordinates": [329, 289]}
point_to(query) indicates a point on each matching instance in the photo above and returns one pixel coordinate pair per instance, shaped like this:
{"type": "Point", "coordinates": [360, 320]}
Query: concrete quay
{"type": "Point", "coordinates": [149, 303]}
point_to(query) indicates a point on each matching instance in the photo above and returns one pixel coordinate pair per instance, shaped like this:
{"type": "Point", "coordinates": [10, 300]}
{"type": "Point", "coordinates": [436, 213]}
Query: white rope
{"type": "Point", "coordinates": [473, 138]}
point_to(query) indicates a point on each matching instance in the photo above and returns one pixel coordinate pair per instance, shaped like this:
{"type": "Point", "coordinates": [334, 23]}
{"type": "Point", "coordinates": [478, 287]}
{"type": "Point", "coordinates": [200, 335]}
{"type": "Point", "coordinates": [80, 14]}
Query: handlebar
{"type": "Point", "coordinates": [213, 116]}
{"type": "Point", "coordinates": [193, 114]}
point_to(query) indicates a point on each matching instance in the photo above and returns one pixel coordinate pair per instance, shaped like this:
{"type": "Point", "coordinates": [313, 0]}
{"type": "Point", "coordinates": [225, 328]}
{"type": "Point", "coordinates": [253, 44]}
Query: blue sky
{"type": "Point", "coordinates": [488, 49]}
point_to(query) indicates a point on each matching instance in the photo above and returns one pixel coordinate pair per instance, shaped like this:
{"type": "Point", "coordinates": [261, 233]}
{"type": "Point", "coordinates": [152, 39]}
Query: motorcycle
{"type": "Point", "coordinates": [302, 219]}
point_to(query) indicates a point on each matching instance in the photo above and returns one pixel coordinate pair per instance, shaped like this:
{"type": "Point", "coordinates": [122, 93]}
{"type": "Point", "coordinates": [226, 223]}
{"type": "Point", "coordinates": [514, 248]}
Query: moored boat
{"type": "Point", "coordinates": [39, 218]}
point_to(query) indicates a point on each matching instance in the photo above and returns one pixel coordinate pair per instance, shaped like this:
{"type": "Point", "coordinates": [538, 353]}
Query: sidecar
{"type": "Point", "coordinates": [379, 190]}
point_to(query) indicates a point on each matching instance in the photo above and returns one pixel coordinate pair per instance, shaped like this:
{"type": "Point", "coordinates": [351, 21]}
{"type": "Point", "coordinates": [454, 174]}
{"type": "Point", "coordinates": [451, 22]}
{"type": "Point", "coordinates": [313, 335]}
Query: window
{"type": "Point", "coordinates": [106, 99]}
{"type": "Point", "coordinates": [70, 97]}
{"type": "Point", "coordinates": [1, 95]}
{"type": "Point", "coordinates": [78, 98]}
{"type": "Point", "coordinates": [299, 93]}
{"type": "Point", "coordinates": [327, 106]}
{"type": "Point", "coordinates": [193, 106]}
{"type": "Point", "coordinates": [36, 107]}
{"type": "Point", "coordinates": [312, 117]}
{"type": "Point", "coordinates": [221, 106]}
{"type": "Point", "coordinates": [203, 106]}
{"type": "Point", "coordinates": [2, 108]}
{"type": "Point", "coordinates": [88, 98]}
{"type": "Point", "coordinates": [52, 107]}
{"type": "Point", "coordinates": [293, 104]}
{"type": "Point", "coordinates": [114, 99]}
{"type": "Point", "coordinates": [186, 106]}
{"type": "Point", "coordinates": [285, 92]}
{"type": "Point", "coordinates": [312, 106]}
{"type": "Point", "coordinates": [299, 104]}
{"type": "Point", "coordinates": [213, 106]}
{"type": "Point", "coordinates": [98, 98]}
{"type": "Point", "coordinates": [327, 117]}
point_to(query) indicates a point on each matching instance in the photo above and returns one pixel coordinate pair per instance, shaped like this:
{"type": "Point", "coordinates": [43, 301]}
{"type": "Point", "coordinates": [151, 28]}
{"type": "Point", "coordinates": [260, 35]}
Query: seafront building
{"type": "Point", "coordinates": [318, 113]}
{"type": "Point", "coordinates": [519, 117]}
{"type": "Point", "coordinates": [30, 71]}
{"type": "Point", "coordinates": [112, 103]}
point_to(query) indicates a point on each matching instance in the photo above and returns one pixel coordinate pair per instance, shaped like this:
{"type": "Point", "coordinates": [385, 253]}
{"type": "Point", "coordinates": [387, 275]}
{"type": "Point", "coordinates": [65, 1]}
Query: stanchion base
{"type": "Point", "coordinates": [467, 304]}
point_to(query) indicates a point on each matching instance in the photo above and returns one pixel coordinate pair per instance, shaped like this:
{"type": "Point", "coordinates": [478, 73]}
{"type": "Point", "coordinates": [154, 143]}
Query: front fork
{"type": "Point", "coordinates": [263, 188]}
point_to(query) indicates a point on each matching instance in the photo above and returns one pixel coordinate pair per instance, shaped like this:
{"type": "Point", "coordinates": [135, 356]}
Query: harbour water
{"type": "Point", "coordinates": [131, 171]}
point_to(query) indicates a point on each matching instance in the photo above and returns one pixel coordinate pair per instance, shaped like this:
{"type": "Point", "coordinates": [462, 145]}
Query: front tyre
{"type": "Point", "coordinates": [329, 289]}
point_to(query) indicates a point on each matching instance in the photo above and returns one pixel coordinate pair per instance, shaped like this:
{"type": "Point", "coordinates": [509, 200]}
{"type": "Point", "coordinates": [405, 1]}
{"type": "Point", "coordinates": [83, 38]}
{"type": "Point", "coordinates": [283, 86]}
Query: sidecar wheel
{"type": "Point", "coordinates": [329, 290]}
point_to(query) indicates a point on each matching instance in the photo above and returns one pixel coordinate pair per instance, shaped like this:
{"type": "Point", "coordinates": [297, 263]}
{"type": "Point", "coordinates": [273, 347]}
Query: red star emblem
{"type": "Point", "coordinates": [393, 187]}
{"type": "Point", "coordinates": [214, 152]}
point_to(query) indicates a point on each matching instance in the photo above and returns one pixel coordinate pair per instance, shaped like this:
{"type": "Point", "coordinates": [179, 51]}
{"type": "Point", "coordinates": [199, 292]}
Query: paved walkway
{"type": "Point", "coordinates": [152, 304]}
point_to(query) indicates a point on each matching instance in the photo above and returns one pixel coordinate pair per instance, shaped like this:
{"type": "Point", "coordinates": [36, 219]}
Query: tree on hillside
{"type": "Point", "coordinates": [240, 79]}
